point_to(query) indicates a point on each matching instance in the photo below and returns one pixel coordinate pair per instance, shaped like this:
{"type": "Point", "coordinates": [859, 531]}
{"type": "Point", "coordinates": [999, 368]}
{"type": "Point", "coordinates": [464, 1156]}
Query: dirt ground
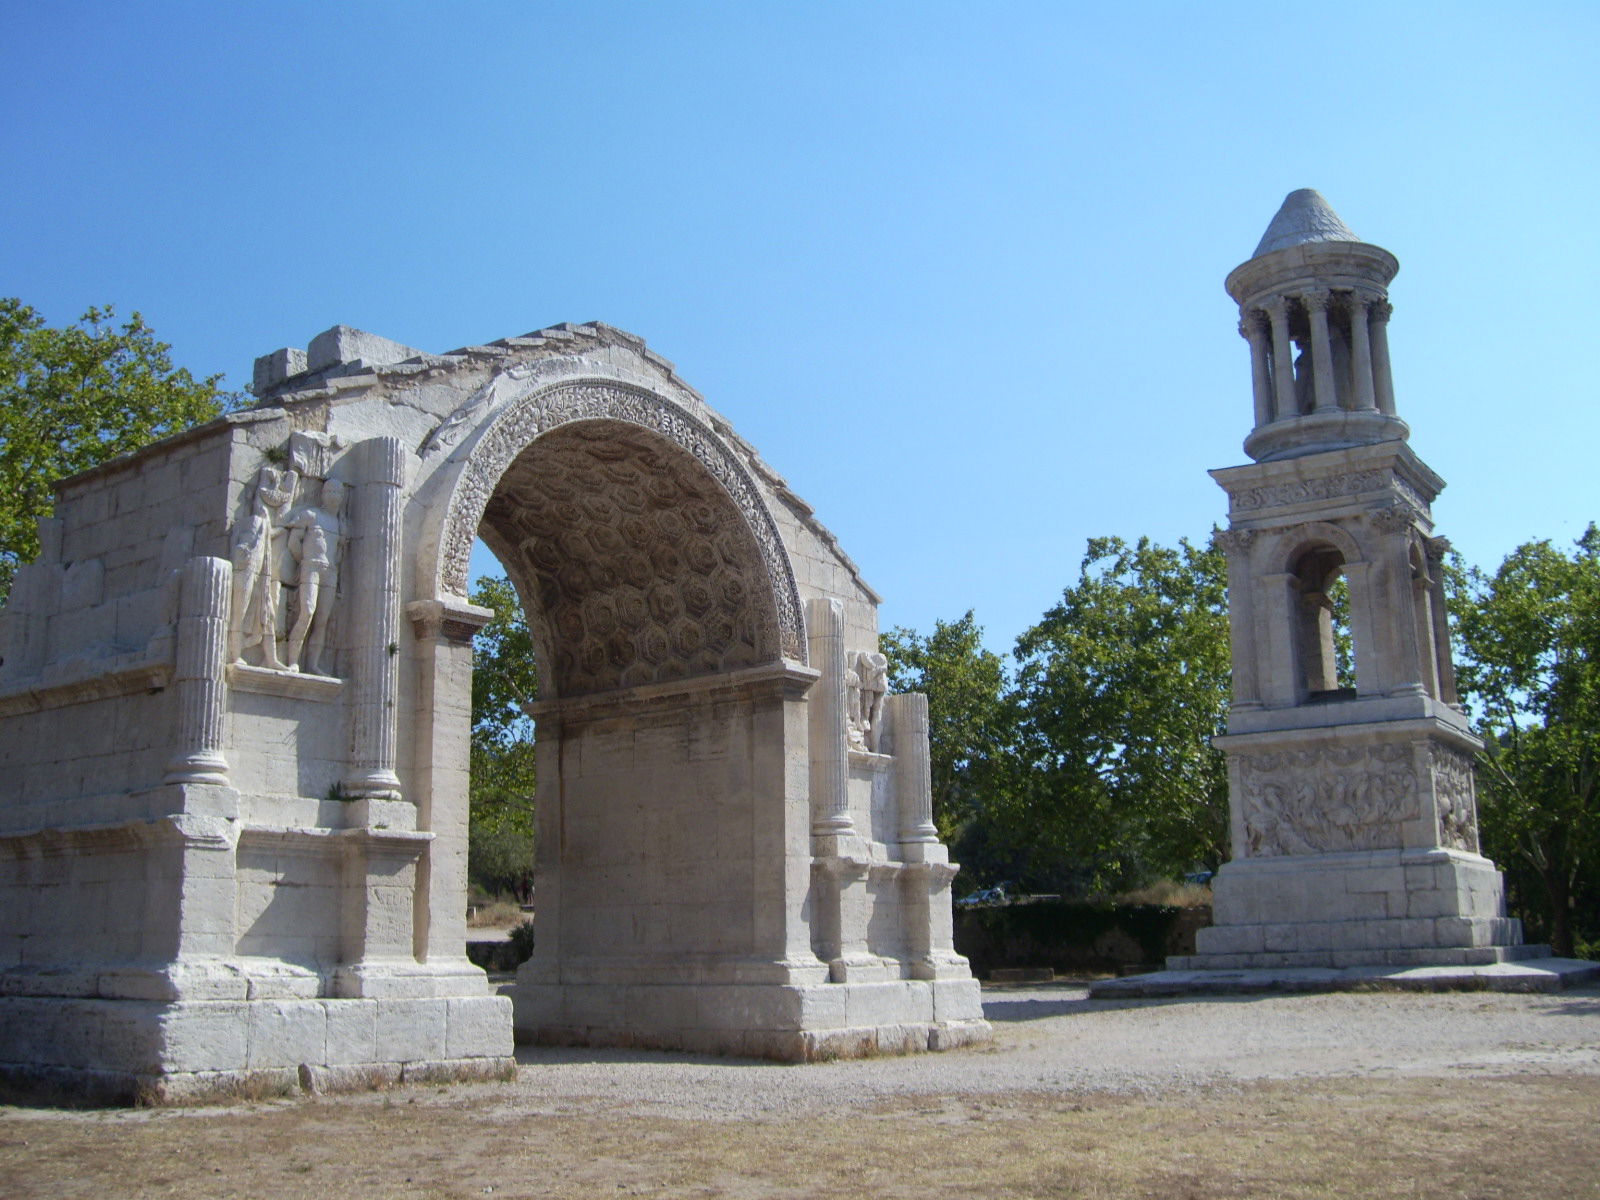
{"type": "Point", "coordinates": [1448, 1095]}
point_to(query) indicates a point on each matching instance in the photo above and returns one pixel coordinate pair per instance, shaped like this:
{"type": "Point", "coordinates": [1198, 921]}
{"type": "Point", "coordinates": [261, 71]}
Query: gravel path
{"type": "Point", "coordinates": [1053, 1039]}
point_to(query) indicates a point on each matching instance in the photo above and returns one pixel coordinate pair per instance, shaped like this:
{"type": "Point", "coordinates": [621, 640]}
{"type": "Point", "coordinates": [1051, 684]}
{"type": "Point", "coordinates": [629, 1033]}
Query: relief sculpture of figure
{"type": "Point", "coordinates": [314, 545]}
{"type": "Point", "coordinates": [855, 735]}
{"type": "Point", "coordinates": [255, 569]}
{"type": "Point", "coordinates": [873, 671]}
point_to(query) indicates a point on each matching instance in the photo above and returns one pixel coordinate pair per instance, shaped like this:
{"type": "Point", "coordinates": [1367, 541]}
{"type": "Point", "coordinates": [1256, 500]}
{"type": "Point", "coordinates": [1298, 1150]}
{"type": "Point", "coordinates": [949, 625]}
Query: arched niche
{"type": "Point", "coordinates": [1303, 566]}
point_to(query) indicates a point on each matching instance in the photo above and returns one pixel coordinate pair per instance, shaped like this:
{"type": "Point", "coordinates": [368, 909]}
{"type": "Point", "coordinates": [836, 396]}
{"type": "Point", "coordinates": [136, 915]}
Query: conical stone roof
{"type": "Point", "coordinates": [1304, 217]}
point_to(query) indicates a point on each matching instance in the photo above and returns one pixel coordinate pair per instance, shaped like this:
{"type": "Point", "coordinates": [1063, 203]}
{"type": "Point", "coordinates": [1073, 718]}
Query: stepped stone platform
{"type": "Point", "coordinates": [1522, 975]}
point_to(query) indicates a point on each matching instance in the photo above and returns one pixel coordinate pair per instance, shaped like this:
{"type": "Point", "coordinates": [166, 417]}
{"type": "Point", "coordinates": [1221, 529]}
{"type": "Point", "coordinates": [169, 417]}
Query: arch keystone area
{"type": "Point", "coordinates": [236, 692]}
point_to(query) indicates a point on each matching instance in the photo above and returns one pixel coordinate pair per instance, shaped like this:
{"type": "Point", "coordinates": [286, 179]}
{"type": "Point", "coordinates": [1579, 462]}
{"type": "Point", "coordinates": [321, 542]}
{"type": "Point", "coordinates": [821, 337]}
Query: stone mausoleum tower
{"type": "Point", "coordinates": [1355, 835]}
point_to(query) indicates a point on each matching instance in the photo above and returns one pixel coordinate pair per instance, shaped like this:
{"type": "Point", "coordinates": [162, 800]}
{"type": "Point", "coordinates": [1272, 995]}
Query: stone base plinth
{"type": "Point", "coordinates": [1397, 908]}
{"type": "Point", "coordinates": [124, 1051]}
{"type": "Point", "coordinates": [785, 1022]}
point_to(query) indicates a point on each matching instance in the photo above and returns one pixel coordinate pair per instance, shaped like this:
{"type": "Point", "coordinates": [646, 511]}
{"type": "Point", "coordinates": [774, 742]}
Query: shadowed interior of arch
{"type": "Point", "coordinates": [1325, 651]}
{"type": "Point", "coordinates": [634, 565]}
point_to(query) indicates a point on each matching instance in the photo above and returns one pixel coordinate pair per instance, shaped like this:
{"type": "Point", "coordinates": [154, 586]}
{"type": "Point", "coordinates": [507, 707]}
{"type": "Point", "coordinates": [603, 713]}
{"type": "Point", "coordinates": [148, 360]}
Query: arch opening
{"type": "Point", "coordinates": [1325, 651]}
{"type": "Point", "coordinates": [633, 566]}
{"type": "Point", "coordinates": [663, 705]}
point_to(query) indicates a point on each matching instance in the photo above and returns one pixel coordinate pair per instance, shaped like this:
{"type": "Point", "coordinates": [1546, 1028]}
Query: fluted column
{"type": "Point", "coordinates": [1360, 354]}
{"type": "Point", "coordinates": [1403, 675]}
{"type": "Point", "coordinates": [830, 764]}
{"type": "Point", "coordinates": [1253, 328]}
{"type": "Point", "coordinates": [204, 599]}
{"type": "Point", "coordinates": [1316, 303]}
{"type": "Point", "coordinates": [1444, 664]}
{"type": "Point", "coordinates": [1277, 310]}
{"type": "Point", "coordinates": [374, 639]}
{"type": "Point", "coordinates": [1382, 381]}
{"type": "Point", "coordinates": [1427, 646]}
{"type": "Point", "coordinates": [1236, 544]}
{"type": "Point", "coordinates": [913, 774]}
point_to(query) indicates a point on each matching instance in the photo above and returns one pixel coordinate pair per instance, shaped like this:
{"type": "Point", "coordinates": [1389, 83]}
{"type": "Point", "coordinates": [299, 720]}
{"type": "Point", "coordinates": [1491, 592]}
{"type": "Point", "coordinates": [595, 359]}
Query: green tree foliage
{"type": "Point", "coordinates": [1530, 668]}
{"type": "Point", "coordinates": [74, 397]}
{"type": "Point", "coordinates": [964, 684]}
{"type": "Point", "coordinates": [504, 679]}
{"type": "Point", "coordinates": [1119, 690]}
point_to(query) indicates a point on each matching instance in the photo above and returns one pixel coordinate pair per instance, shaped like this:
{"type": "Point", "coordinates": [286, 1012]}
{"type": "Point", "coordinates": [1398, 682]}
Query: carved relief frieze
{"type": "Point", "coordinates": [1328, 487]}
{"type": "Point", "coordinates": [1325, 800]}
{"type": "Point", "coordinates": [1304, 491]}
{"type": "Point", "coordinates": [521, 422]}
{"type": "Point", "coordinates": [1455, 796]}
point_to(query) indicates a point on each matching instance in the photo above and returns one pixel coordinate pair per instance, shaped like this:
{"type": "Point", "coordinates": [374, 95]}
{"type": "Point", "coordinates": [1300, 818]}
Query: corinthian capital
{"type": "Point", "coordinates": [1396, 518]}
{"type": "Point", "coordinates": [1316, 300]}
{"type": "Point", "coordinates": [1380, 310]}
{"type": "Point", "coordinates": [1276, 307]}
{"type": "Point", "coordinates": [1436, 548]}
{"type": "Point", "coordinates": [1252, 323]}
{"type": "Point", "coordinates": [1233, 541]}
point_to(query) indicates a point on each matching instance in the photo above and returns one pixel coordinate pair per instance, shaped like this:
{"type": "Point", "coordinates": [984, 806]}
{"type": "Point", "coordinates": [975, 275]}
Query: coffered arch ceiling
{"type": "Point", "coordinates": [639, 566]}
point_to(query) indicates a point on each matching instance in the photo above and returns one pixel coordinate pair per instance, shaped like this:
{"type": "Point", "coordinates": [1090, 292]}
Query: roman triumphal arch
{"type": "Point", "coordinates": [234, 705]}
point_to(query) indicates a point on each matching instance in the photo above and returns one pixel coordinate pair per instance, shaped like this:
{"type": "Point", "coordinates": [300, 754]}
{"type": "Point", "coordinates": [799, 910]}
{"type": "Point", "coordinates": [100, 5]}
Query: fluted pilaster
{"type": "Point", "coordinates": [913, 770]}
{"type": "Point", "coordinates": [204, 598]}
{"type": "Point", "coordinates": [374, 599]}
{"type": "Point", "coordinates": [830, 763]}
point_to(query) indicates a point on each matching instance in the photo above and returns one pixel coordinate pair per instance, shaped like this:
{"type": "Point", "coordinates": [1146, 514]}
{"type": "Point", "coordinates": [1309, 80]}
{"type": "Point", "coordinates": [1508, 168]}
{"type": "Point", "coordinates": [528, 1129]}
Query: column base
{"type": "Point", "coordinates": [130, 1051]}
{"type": "Point", "coordinates": [784, 1022]}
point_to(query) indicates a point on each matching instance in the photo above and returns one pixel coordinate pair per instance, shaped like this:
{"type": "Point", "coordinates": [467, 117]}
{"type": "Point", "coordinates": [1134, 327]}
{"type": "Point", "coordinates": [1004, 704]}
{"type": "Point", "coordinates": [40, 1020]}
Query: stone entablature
{"type": "Point", "coordinates": [234, 706]}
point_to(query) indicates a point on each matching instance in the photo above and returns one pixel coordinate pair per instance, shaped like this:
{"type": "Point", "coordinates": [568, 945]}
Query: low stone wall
{"type": "Point", "coordinates": [1074, 936]}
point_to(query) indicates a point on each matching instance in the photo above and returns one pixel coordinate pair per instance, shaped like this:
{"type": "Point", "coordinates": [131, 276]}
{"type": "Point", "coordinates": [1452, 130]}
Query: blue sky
{"type": "Point", "coordinates": [956, 270]}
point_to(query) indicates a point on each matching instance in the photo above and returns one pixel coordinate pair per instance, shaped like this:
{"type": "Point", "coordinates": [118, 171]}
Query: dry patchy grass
{"type": "Point", "coordinates": [1508, 1137]}
{"type": "Point", "coordinates": [497, 914]}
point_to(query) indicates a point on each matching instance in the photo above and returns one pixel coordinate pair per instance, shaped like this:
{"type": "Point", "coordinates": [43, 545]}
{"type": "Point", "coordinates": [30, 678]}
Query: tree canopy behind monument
{"type": "Point", "coordinates": [504, 678]}
{"type": "Point", "coordinates": [1120, 688]}
{"type": "Point", "coordinates": [74, 397]}
{"type": "Point", "coordinates": [1092, 770]}
{"type": "Point", "coordinates": [1530, 667]}
{"type": "Point", "coordinates": [964, 684]}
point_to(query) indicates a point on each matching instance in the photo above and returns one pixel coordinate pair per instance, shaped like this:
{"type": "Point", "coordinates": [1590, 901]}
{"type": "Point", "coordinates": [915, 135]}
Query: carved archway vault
{"type": "Point", "coordinates": [653, 550]}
